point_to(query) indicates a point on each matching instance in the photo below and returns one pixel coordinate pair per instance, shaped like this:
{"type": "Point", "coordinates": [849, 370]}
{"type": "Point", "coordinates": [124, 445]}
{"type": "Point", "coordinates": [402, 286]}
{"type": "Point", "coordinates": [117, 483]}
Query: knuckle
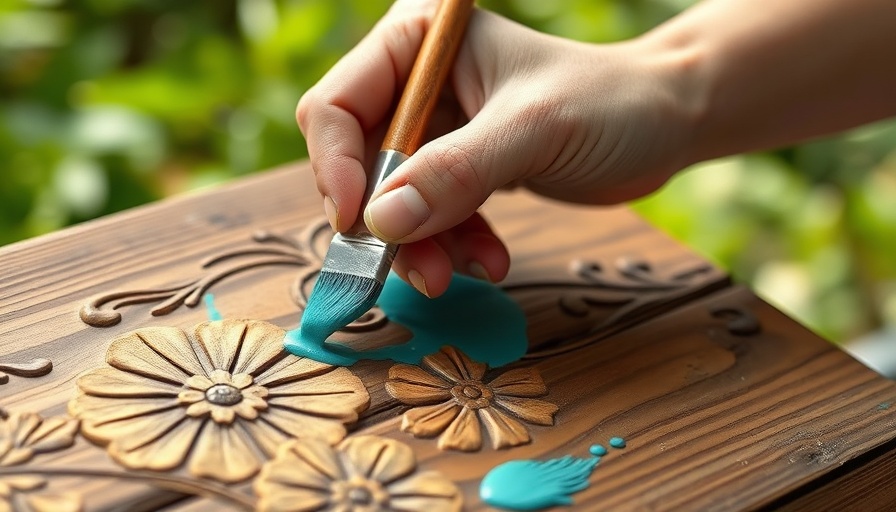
{"type": "Point", "coordinates": [453, 169]}
{"type": "Point", "coordinates": [303, 110]}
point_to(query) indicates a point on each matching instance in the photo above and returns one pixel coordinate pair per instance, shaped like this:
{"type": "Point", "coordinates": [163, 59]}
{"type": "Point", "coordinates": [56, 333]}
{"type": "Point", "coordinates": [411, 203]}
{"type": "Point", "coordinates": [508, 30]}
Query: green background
{"type": "Point", "coordinates": [107, 104]}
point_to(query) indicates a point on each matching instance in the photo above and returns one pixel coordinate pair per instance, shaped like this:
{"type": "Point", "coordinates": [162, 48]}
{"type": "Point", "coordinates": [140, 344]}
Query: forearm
{"type": "Point", "coordinates": [759, 74]}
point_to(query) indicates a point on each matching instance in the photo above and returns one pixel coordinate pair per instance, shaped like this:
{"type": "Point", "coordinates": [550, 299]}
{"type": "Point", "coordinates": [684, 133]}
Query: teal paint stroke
{"type": "Point", "coordinates": [532, 484]}
{"type": "Point", "coordinates": [474, 316]}
{"type": "Point", "coordinates": [213, 313]}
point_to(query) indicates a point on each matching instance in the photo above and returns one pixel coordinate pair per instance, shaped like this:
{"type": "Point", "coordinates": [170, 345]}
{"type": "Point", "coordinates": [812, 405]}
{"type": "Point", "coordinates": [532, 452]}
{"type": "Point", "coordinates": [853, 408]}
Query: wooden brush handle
{"type": "Point", "coordinates": [436, 57]}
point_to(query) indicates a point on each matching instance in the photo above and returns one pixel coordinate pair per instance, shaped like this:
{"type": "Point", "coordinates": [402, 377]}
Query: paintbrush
{"type": "Point", "coordinates": [357, 262]}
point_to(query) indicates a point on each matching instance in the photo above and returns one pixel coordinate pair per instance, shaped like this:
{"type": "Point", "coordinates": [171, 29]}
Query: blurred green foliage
{"type": "Point", "coordinates": [108, 104]}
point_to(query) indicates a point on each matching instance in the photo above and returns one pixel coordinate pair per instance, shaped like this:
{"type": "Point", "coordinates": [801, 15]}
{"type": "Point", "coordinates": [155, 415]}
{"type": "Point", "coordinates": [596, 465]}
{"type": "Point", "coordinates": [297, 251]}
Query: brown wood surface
{"type": "Point", "coordinates": [717, 415]}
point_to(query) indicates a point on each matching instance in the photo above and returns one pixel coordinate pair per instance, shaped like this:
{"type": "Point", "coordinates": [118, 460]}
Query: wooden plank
{"type": "Point", "coordinates": [45, 283]}
{"type": "Point", "coordinates": [714, 420]}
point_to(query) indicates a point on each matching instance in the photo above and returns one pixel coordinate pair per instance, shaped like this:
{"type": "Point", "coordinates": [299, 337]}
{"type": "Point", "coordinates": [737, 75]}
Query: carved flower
{"type": "Point", "coordinates": [362, 474]}
{"type": "Point", "coordinates": [452, 400]}
{"type": "Point", "coordinates": [22, 436]}
{"type": "Point", "coordinates": [222, 397]}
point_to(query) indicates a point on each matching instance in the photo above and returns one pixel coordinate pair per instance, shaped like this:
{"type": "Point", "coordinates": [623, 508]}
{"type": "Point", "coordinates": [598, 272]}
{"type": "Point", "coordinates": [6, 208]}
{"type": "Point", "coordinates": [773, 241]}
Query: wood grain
{"type": "Point", "coordinates": [633, 335]}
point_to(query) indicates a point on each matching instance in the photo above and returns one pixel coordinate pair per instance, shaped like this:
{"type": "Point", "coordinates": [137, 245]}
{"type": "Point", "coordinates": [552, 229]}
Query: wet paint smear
{"type": "Point", "coordinates": [474, 316]}
{"type": "Point", "coordinates": [213, 313]}
{"type": "Point", "coordinates": [532, 484]}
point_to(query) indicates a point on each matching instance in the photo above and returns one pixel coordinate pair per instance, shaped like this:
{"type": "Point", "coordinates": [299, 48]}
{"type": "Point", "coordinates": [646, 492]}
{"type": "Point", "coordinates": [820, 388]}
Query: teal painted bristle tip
{"type": "Point", "coordinates": [617, 442]}
{"type": "Point", "coordinates": [337, 300]}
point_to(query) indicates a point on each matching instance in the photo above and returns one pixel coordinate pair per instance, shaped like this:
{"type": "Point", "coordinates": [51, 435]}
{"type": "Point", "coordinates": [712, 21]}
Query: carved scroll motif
{"type": "Point", "coordinates": [739, 321]}
{"type": "Point", "coordinates": [451, 400]}
{"type": "Point", "coordinates": [37, 367]}
{"type": "Point", "coordinates": [630, 289]}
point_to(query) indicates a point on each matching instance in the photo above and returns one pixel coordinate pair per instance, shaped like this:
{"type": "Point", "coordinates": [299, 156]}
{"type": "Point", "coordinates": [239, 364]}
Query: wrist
{"type": "Point", "coordinates": [681, 65]}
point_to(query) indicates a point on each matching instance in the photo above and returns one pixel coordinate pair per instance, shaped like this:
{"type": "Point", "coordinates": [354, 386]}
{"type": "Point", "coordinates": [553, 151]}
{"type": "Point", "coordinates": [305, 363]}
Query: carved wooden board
{"type": "Point", "coordinates": [724, 401]}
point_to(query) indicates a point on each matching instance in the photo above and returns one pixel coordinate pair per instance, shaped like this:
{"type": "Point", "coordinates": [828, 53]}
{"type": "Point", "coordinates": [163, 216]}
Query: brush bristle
{"type": "Point", "coordinates": [337, 300]}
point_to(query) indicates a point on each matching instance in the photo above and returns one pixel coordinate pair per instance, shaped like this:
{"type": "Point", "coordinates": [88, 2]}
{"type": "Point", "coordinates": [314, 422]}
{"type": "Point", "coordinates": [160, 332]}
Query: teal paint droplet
{"type": "Point", "coordinates": [617, 442]}
{"type": "Point", "coordinates": [597, 450]}
{"type": "Point", "coordinates": [532, 484]}
{"type": "Point", "coordinates": [884, 406]}
{"type": "Point", "coordinates": [213, 313]}
{"type": "Point", "coordinates": [474, 316]}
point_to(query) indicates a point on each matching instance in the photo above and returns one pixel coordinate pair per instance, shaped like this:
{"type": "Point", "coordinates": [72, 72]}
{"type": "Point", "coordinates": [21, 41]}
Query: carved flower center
{"type": "Point", "coordinates": [360, 496]}
{"type": "Point", "coordinates": [474, 395]}
{"type": "Point", "coordinates": [359, 492]}
{"type": "Point", "coordinates": [223, 394]}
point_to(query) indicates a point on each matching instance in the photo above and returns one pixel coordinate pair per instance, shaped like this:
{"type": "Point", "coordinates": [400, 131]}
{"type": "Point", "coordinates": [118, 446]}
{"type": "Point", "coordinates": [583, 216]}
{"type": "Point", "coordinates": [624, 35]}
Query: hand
{"type": "Point", "coordinates": [578, 122]}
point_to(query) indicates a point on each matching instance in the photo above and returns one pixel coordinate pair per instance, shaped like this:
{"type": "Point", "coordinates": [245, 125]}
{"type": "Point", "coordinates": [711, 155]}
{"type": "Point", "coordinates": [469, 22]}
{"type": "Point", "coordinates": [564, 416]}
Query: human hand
{"type": "Point", "coordinates": [595, 124]}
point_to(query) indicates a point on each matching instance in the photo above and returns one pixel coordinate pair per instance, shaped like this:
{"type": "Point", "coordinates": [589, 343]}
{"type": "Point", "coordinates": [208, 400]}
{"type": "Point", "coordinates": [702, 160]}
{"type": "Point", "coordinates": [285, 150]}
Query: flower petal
{"type": "Point", "coordinates": [262, 347]}
{"type": "Point", "coordinates": [164, 453]}
{"type": "Point", "coordinates": [222, 453]}
{"type": "Point", "coordinates": [132, 433]}
{"type": "Point", "coordinates": [94, 410]}
{"type": "Point", "coordinates": [221, 341]}
{"type": "Point", "coordinates": [464, 433]}
{"type": "Point", "coordinates": [524, 382]}
{"type": "Point", "coordinates": [241, 380]}
{"type": "Point", "coordinates": [378, 458]}
{"type": "Point", "coordinates": [532, 410]}
{"type": "Point", "coordinates": [338, 394]}
{"type": "Point", "coordinates": [62, 502]}
{"type": "Point", "coordinates": [200, 382]}
{"type": "Point", "coordinates": [223, 414]}
{"type": "Point", "coordinates": [425, 490]}
{"type": "Point", "coordinates": [189, 396]}
{"type": "Point", "coordinates": [199, 409]}
{"type": "Point", "coordinates": [46, 435]}
{"type": "Point", "coordinates": [264, 434]}
{"type": "Point", "coordinates": [502, 429]}
{"type": "Point", "coordinates": [297, 424]}
{"type": "Point", "coordinates": [430, 420]}
{"type": "Point", "coordinates": [113, 382]}
{"type": "Point", "coordinates": [161, 353]}
{"type": "Point", "coordinates": [290, 368]}
{"type": "Point", "coordinates": [415, 386]}
{"type": "Point", "coordinates": [454, 365]}
{"type": "Point", "coordinates": [219, 376]}
{"type": "Point", "coordinates": [311, 455]}
{"type": "Point", "coordinates": [245, 410]}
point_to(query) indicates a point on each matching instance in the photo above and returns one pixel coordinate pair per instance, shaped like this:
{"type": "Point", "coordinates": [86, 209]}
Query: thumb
{"type": "Point", "coordinates": [442, 184]}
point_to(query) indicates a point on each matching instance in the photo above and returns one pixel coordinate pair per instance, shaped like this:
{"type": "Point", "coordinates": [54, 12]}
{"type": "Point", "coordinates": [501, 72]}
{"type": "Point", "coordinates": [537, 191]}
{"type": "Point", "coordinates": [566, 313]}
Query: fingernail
{"type": "Point", "coordinates": [397, 213]}
{"type": "Point", "coordinates": [332, 213]}
{"type": "Point", "coordinates": [477, 270]}
{"type": "Point", "coordinates": [417, 280]}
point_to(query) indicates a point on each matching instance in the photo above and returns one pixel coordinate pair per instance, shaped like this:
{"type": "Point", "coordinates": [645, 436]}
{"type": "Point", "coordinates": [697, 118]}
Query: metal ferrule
{"type": "Point", "coordinates": [358, 252]}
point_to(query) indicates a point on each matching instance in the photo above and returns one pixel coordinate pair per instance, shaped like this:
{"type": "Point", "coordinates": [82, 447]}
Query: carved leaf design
{"type": "Point", "coordinates": [220, 398]}
{"type": "Point", "coordinates": [361, 473]}
{"type": "Point", "coordinates": [452, 401]}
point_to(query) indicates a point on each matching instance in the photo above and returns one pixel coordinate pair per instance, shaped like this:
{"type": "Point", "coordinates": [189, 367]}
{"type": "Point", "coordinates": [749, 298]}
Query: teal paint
{"type": "Point", "coordinates": [213, 313]}
{"type": "Point", "coordinates": [532, 484]}
{"type": "Point", "coordinates": [617, 442]}
{"type": "Point", "coordinates": [474, 316]}
{"type": "Point", "coordinates": [884, 406]}
{"type": "Point", "coordinates": [597, 450]}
